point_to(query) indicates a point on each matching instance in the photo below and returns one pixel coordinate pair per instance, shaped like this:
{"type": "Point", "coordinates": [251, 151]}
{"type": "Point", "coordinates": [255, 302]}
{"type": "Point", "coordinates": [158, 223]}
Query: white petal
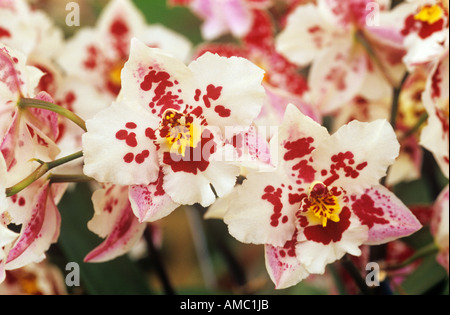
{"type": "Point", "coordinates": [357, 155]}
{"type": "Point", "coordinates": [232, 87]}
{"type": "Point", "coordinates": [118, 147]}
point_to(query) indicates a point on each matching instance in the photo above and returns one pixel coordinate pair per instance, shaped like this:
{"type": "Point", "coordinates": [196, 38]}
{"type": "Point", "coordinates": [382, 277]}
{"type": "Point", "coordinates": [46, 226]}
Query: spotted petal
{"type": "Point", "coordinates": [118, 146]}
{"type": "Point", "coordinates": [151, 202]}
{"type": "Point", "coordinates": [115, 221]}
{"type": "Point", "coordinates": [155, 80]}
{"type": "Point", "coordinates": [384, 214]}
{"type": "Point", "coordinates": [38, 232]}
{"type": "Point", "coordinates": [284, 268]}
{"type": "Point", "coordinates": [357, 155]}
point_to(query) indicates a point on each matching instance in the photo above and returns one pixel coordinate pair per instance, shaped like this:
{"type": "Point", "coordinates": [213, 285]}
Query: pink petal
{"type": "Point", "coordinates": [38, 232]}
{"type": "Point", "coordinates": [385, 215]}
{"type": "Point", "coordinates": [151, 202]}
{"type": "Point", "coordinates": [126, 231]}
{"type": "Point", "coordinates": [282, 264]}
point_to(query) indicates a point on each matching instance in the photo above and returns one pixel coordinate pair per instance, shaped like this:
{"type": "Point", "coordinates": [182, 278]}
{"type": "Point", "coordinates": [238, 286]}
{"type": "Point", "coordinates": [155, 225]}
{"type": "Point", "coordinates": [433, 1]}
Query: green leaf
{"type": "Point", "coordinates": [425, 277]}
{"type": "Point", "coordinates": [120, 276]}
{"type": "Point", "coordinates": [179, 19]}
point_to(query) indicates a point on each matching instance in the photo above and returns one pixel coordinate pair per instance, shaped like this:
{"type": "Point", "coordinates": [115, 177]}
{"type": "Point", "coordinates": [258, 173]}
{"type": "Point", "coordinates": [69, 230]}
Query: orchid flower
{"type": "Point", "coordinates": [282, 81]}
{"type": "Point", "coordinates": [224, 16]}
{"type": "Point", "coordinates": [425, 29]}
{"type": "Point", "coordinates": [98, 54]}
{"type": "Point", "coordinates": [166, 132]}
{"type": "Point", "coordinates": [34, 279]}
{"type": "Point", "coordinates": [323, 200]}
{"type": "Point", "coordinates": [342, 48]}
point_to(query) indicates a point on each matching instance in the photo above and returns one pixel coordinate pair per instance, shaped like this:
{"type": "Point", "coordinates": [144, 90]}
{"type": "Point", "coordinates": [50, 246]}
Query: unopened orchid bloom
{"type": "Point", "coordinates": [97, 55]}
{"type": "Point", "coordinates": [333, 38]}
{"type": "Point", "coordinates": [440, 227]}
{"type": "Point", "coordinates": [323, 200]}
{"type": "Point", "coordinates": [224, 16]}
{"type": "Point", "coordinates": [166, 134]}
{"type": "Point", "coordinates": [115, 221]}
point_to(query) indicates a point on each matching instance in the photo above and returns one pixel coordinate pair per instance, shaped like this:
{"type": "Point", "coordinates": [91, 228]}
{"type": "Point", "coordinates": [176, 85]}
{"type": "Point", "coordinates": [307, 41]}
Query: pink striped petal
{"type": "Point", "coordinates": [38, 232]}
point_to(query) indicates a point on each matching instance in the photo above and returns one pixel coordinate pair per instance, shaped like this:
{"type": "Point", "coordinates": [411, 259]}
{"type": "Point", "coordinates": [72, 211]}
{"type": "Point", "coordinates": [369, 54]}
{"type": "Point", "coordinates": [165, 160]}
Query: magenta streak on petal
{"type": "Point", "coordinates": [8, 73]}
{"type": "Point", "coordinates": [120, 239]}
{"type": "Point", "coordinates": [32, 229]}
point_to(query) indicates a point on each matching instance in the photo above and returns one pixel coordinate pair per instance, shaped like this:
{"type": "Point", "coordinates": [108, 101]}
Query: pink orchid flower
{"type": "Point", "coordinates": [224, 16]}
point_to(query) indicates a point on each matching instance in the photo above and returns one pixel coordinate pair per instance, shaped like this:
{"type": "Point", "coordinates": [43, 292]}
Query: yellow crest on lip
{"type": "Point", "coordinates": [324, 204]}
{"type": "Point", "coordinates": [430, 14]}
{"type": "Point", "coordinates": [180, 131]}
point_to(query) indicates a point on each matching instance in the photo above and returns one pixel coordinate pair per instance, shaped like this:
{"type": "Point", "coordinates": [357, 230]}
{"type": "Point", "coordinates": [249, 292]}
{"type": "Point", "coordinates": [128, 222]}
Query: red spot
{"type": "Point", "coordinates": [295, 198]}
{"type": "Point", "coordinates": [361, 166]}
{"type": "Point", "coordinates": [128, 158]}
{"type": "Point", "coordinates": [131, 125]}
{"type": "Point", "coordinates": [121, 134]}
{"type": "Point", "coordinates": [332, 232]}
{"type": "Point", "coordinates": [92, 54]}
{"type": "Point", "coordinates": [212, 93]}
{"type": "Point", "coordinates": [273, 196]}
{"type": "Point", "coordinates": [222, 111]}
{"type": "Point", "coordinates": [131, 140]}
{"type": "Point", "coordinates": [163, 98]}
{"type": "Point", "coordinates": [305, 171]}
{"type": "Point", "coordinates": [289, 246]}
{"type": "Point", "coordinates": [4, 32]}
{"type": "Point", "coordinates": [119, 28]}
{"type": "Point", "coordinates": [366, 211]}
{"type": "Point", "coordinates": [22, 201]}
{"type": "Point", "coordinates": [159, 184]}
{"type": "Point", "coordinates": [197, 95]}
{"type": "Point", "coordinates": [298, 148]}
{"type": "Point", "coordinates": [140, 158]}
{"type": "Point", "coordinates": [150, 133]}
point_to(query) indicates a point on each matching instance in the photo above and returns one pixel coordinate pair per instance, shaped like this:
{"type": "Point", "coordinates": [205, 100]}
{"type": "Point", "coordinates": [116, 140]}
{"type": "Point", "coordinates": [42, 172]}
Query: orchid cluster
{"type": "Point", "coordinates": [292, 121]}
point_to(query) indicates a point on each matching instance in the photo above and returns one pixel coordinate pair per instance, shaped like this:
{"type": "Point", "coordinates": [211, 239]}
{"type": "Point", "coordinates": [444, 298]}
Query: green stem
{"type": "Point", "coordinates": [424, 251]}
{"type": "Point", "coordinates": [422, 119]}
{"type": "Point", "coordinates": [69, 178]}
{"type": "Point", "coordinates": [34, 103]}
{"type": "Point", "coordinates": [39, 172]}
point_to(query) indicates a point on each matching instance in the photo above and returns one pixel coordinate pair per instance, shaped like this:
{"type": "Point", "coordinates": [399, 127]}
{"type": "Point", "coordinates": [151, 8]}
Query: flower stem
{"type": "Point", "coordinates": [69, 178]}
{"type": "Point", "coordinates": [34, 103]}
{"type": "Point", "coordinates": [159, 266]}
{"type": "Point", "coordinates": [356, 275]}
{"type": "Point", "coordinates": [39, 172]}
{"type": "Point", "coordinates": [422, 119]}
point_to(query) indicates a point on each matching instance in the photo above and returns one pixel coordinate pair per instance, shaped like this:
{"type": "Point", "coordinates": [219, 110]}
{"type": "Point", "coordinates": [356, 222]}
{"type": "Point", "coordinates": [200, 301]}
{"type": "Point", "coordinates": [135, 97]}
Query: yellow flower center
{"type": "Point", "coordinates": [180, 131]}
{"type": "Point", "coordinates": [115, 73]}
{"type": "Point", "coordinates": [324, 204]}
{"type": "Point", "coordinates": [430, 14]}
